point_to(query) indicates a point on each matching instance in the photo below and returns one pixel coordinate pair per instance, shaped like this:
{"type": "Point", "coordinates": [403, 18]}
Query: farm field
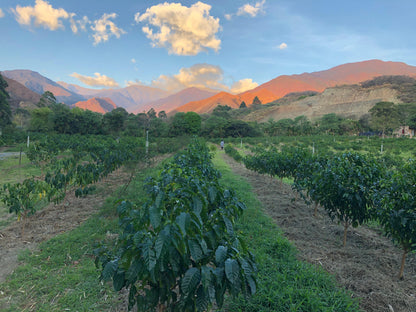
{"type": "Point", "coordinates": [366, 266]}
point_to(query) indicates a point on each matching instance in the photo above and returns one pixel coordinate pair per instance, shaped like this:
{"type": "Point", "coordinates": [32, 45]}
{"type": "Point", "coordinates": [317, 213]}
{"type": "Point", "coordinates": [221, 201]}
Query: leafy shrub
{"type": "Point", "coordinates": [179, 250]}
{"type": "Point", "coordinates": [230, 150]}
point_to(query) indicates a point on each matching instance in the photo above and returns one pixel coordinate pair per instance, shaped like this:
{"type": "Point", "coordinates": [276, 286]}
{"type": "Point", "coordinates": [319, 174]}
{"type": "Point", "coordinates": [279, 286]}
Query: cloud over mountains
{"type": "Point", "coordinates": [97, 81]}
{"type": "Point", "coordinates": [203, 76]}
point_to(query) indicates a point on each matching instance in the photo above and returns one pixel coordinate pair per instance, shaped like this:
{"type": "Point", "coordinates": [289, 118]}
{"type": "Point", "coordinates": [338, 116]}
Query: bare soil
{"type": "Point", "coordinates": [368, 266]}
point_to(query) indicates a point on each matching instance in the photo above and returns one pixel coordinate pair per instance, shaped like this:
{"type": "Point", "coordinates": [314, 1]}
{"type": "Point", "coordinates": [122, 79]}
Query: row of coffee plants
{"type": "Point", "coordinates": [179, 251]}
{"type": "Point", "coordinates": [324, 144]}
{"type": "Point", "coordinates": [69, 162]}
{"type": "Point", "coordinates": [353, 188]}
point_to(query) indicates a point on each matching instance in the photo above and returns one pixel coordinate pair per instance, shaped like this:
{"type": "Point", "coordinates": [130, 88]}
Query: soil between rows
{"type": "Point", "coordinates": [369, 264]}
{"type": "Point", "coordinates": [51, 221]}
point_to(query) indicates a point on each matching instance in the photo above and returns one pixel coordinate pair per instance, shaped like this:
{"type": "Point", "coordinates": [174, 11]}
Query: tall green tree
{"type": "Point", "coordinates": [41, 120]}
{"type": "Point", "coordinates": [384, 116]}
{"type": "Point", "coordinates": [185, 123]}
{"type": "Point", "coordinates": [162, 115]}
{"type": "Point", "coordinates": [302, 125]}
{"type": "Point", "coordinates": [193, 121]}
{"type": "Point", "coordinates": [5, 112]}
{"type": "Point", "coordinates": [113, 122]}
{"type": "Point", "coordinates": [61, 118]}
{"type": "Point", "coordinates": [222, 111]}
{"type": "Point", "coordinates": [47, 99]}
{"type": "Point", "coordinates": [21, 117]}
{"type": "Point", "coordinates": [214, 127]}
{"type": "Point", "coordinates": [330, 124]}
{"type": "Point", "coordinates": [151, 114]}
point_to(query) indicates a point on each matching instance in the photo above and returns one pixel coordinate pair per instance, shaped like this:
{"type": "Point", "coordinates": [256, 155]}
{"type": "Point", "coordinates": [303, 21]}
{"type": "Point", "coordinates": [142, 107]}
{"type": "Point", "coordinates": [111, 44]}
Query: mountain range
{"type": "Point", "coordinates": [20, 96]}
{"type": "Point", "coordinates": [346, 74]}
{"type": "Point", "coordinates": [139, 98]}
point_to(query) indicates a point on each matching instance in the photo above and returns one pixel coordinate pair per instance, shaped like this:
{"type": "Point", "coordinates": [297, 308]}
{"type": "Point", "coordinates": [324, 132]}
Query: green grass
{"type": "Point", "coordinates": [60, 275]}
{"type": "Point", "coordinates": [284, 283]}
{"type": "Point", "coordinates": [11, 171]}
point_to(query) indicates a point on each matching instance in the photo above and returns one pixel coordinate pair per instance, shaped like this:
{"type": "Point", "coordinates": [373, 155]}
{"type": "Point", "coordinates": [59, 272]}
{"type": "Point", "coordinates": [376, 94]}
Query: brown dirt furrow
{"type": "Point", "coordinates": [51, 221]}
{"type": "Point", "coordinates": [369, 264]}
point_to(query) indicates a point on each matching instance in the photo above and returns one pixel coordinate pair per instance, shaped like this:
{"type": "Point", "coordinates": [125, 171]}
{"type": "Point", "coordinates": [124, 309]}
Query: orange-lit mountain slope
{"type": "Point", "coordinates": [274, 89]}
{"type": "Point", "coordinates": [98, 105]}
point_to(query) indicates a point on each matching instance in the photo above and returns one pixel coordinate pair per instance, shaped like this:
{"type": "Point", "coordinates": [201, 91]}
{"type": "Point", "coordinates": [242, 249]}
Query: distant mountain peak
{"type": "Point", "coordinates": [350, 73]}
{"type": "Point", "coordinates": [39, 84]}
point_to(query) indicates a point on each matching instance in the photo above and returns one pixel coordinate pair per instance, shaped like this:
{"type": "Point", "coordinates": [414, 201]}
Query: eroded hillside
{"type": "Point", "coordinates": [348, 101]}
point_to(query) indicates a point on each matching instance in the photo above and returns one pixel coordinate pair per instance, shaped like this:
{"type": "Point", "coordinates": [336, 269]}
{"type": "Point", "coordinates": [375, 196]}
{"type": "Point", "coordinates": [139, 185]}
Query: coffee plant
{"type": "Point", "coordinates": [395, 199]}
{"type": "Point", "coordinates": [179, 251]}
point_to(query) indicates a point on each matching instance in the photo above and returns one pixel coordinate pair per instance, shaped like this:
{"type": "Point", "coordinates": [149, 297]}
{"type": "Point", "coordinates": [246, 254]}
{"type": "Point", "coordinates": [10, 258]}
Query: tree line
{"type": "Point", "coordinates": [49, 116]}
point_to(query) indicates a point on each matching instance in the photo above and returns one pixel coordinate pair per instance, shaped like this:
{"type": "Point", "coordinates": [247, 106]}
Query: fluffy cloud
{"type": "Point", "coordinates": [97, 81]}
{"type": "Point", "coordinates": [43, 14]}
{"type": "Point", "coordinates": [199, 75]}
{"type": "Point", "coordinates": [203, 76]}
{"type": "Point", "coordinates": [250, 10]}
{"type": "Point", "coordinates": [78, 24]}
{"type": "Point", "coordinates": [136, 82]}
{"type": "Point", "coordinates": [133, 60]}
{"type": "Point", "coordinates": [104, 28]}
{"type": "Point", "coordinates": [243, 85]}
{"type": "Point", "coordinates": [1, 13]}
{"type": "Point", "coordinates": [182, 30]}
{"type": "Point", "coordinates": [282, 46]}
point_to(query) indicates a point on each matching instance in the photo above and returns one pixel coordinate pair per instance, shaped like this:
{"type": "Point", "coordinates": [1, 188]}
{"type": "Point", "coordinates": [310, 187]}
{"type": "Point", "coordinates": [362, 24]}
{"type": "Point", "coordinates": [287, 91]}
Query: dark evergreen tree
{"type": "Point", "coordinates": [162, 115]}
{"type": "Point", "coordinates": [256, 101]}
{"type": "Point", "coordinates": [151, 114]}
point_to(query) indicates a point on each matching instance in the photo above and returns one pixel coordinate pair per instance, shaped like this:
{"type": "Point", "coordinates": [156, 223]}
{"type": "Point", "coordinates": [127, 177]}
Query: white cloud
{"type": "Point", "coordinates": [137, 17]}
{"type": "Point", "coordinates": [104, 28]}
{"type": "Point", "coordinates": [251, 10]}
{"type": "Point", "coordinates": [203, 76]}
{"type": "Point", "coordinates": [133, 60]}
{"type": "Point", "coordinates": [1, 13]}
{"type": "Point", "coordinates": [182, 30]}
{"type": "Point", "coordinates": [43, 14]}
{"type": "Point", "coordinates": [243, 85]}
{"type": "Point", "coordinates": [228, 17]}
{"type": "Point", "coordinates": [97, 81]}
{"type": "Point", "coordinates": [199, 75]}
{"type": "Point", "coordinates": [136, 82]}
{"type": "Point", "coordinates": [78, 24]}
{"type": "Point", "coordinates": [282, 46]}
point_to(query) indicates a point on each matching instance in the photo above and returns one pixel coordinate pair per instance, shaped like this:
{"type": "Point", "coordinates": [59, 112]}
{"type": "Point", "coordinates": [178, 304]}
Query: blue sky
{"type": "Point", "coordinates": [231, 45]}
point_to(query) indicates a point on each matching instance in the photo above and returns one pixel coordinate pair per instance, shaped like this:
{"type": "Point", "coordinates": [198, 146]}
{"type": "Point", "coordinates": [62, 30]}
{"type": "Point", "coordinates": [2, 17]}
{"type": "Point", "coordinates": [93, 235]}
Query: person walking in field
{"type": "Point", "coordinates": [222, 144]}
